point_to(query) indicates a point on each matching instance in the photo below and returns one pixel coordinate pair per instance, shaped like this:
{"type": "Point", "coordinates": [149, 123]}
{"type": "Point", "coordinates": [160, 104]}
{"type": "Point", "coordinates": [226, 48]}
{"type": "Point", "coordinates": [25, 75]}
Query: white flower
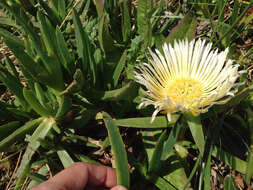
{"type": "Point", "coordinates": [189, 77]}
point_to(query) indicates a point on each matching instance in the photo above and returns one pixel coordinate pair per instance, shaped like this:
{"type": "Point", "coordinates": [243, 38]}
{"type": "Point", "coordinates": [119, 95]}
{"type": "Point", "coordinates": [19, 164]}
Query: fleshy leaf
{"type": "Point", "coordinates": [185, 29]}
{"type": "Point", "coordinates": [194, 123]}
{"type": "Point", "coordinates": [144, 122]}
{"type": "Point", "coordinates": [118, 151]}
{"type": "Point", "coordinates": [40, 133]}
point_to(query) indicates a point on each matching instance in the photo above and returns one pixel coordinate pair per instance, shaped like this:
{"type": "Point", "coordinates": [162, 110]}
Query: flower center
{"type": "Point", "coordinates": [184, 92]}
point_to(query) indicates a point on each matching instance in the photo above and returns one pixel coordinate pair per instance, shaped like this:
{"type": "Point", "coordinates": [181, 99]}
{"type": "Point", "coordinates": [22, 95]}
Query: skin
{"type": "Point", "coordinates": [82, 176]}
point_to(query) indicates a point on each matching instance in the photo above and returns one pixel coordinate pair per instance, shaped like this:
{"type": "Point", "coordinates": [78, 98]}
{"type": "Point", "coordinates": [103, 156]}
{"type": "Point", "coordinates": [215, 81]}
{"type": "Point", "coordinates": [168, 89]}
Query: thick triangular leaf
{"type": "Point", "coordinates": [19, 134]}
{"type": "Point", "coordinates": [40, 133]}
{"type": "Point", "coordinates": [35, 104]}
{"type": "Point", "coordinates": [36, 70]}
{"type": "Point", "coordinates": [127, 92]}
{"type": "Point", "coordinates": [43, 171]}
{"type": "Point", "coordinates": [229, 183]}
{"type": "Point", "coordinates": [9, 22]}
{"type": "Point", "coordinates": [65, 158]}
{"type": "Point", "coordinates": [118, 151]}
{"type": "Point", "coordinates": [126, 22]}
{"type": "Point", "coordinates": [8, 128]}
{"type": "Point", "coordinates": [185, 29]}
{"type": "Point", "coordinates": [65, 57]}
{"type": "Point", "coordinates": [145, 122]}
{"type": "Point", "coordinates": [119, 68]}
{"type": "Point", "coordinates": [173, 171]}
{"type": "Point", "coordinates": [11, 67]}
{"type": "Point", "coordinates": [170, 142]}
{"type": "Point", "coordinates": [22, 177]}
{"type": "Point", "coordinates": [54, 18]}
{"type": "Point", "coordinates": [7, 35]}
{"type": "Point", "coordinates": [104, 37]}
{"type": "Point", "coordinates": [48, 34]}
{"type": "Point", "coordinates": [155, 162]}
{"type": "Point", "coordinates": [83, 47]}
{"type": "Point", "coordinates": [161, 183]}
{"type": "Point", "coordinates": [142, 20]}
{"type": "Point", "coordinates": [195, 126]}
{"type": "Point", "coordinates": [14, 85]}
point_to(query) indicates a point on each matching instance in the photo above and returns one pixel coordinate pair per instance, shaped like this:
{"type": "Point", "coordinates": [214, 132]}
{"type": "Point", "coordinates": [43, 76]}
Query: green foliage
{"type": "Point", "coordinates": [65, 158]}
{"type": "Point", "coordinates": [8, 128]}
{"type": "Point", "coordinates": [118, 150]}
{"type": "Point", "coordinates": [230, 184]}
{"type": "Point", "coordinates": [144, 122]}
{"type": "Point", "coordinates": [40, 133]}
{"type": "Point", "coordinates": [74, 63]}
{"type": "Point", "coordinates": [185, 29]}
{"type": "Point", "coordinates": [18, 134]}
{"type": "Point", "coordinates": [196, 131]}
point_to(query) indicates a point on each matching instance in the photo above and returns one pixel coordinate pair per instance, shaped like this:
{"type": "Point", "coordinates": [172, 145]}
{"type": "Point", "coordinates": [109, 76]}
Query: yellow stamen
{"type": "Point", "coordinates": [183, 91]}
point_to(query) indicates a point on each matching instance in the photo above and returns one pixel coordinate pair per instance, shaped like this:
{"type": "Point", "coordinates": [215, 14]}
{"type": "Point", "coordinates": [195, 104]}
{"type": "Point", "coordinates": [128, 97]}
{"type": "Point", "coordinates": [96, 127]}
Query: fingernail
{"type": "Point", "coordinates": [119, 187]}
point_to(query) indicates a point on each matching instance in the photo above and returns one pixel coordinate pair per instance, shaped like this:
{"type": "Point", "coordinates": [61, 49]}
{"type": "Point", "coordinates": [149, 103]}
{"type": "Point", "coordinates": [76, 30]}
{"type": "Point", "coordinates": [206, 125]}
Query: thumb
{"type": "Point", "coordinates": [119, 187]}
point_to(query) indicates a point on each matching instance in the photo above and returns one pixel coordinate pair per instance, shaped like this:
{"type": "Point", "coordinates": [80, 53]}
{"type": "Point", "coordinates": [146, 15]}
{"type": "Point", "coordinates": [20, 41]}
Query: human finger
{"type": "Point", "coordinates": [78, 175]}
{"type": "Point", "coordinates": [119, 187]}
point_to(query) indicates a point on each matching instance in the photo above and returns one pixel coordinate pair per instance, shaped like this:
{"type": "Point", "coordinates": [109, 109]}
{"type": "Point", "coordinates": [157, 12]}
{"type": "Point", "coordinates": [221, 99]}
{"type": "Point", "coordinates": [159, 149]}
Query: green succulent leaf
{"type": "Point", "coordinates": [35, 104]}
{"type": "Point", "coordinates": [65, 57]}
{"type": "Point", "coordinates": [142, 19]}
{"type": "Point", "coordinates": [54, 18]}
{"type": "Point", "coordinates": [174, 171]}
{"type": "Point", "coordinates": [127, 92]}
{"type": "Point", "coordinates": [185, 29]}
{"type": "Point", "coordinates": [105, 39]}
{"type": "Point", "coordinates": [22, 177]}
{"type": "Point", "coordinates": [155, 162]}
{"type": "Point", "coordinates": [170, 142]}
{"type": "Point", "coordinates": [40, 94]}
{"type": "Point", "coordinates": [48, 34]}
{"type": "Point", "coordinates": [8, 128]}
{"type": "Point", "coordinates": [13, 83]}
{"type": "Point", "coordinates": [126, 21]}
{"type": "Point", "coordinates": [62, 9]}
{"type": "Point", "coordinates": [36, 70]}
{"type": "Point", "coordinates": [160, 182]}
{"type": "Point", "coordinates": [207, 170]}
{"type": "Point", "coordinates": [20, 133]}
{"type": "Point", "coordinates": [84, 47]}
{"type": "Point", "coordinates": [65, 158]}
{"type": "Point", "coordinates": [229, 183]}
{"type": "Point", "coordinates": [119, 68]}
{"type": "Point", "coordinates": [118, 150]}
{"type": "Point", "coordinates": [42, 172]}
{"type": "Point", "coordinates": [249, 171]}
{"type": "Point", "coordinates": [64, 105]}
{"type": "Point", "coordinates": [11, 67]}
{"type": "Point", "coordinates": [9, 22]}
{"type": "Point", "coordinates": [100, 7]}
{"type": "Point", "coordinates": [37, 177]}
{"type": "Point", "coordinates": [145, 122]}
{"type": "Point", "coordinates": [27, 28]}
{"type": "Point", "coordinates": [40, 133]}
{"type": "Point", "coordinates": [9, 36]}
{"type": "Point", "coordinates": [194, 123]}
{"type": "Point", "coordinates": [83, 158]}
